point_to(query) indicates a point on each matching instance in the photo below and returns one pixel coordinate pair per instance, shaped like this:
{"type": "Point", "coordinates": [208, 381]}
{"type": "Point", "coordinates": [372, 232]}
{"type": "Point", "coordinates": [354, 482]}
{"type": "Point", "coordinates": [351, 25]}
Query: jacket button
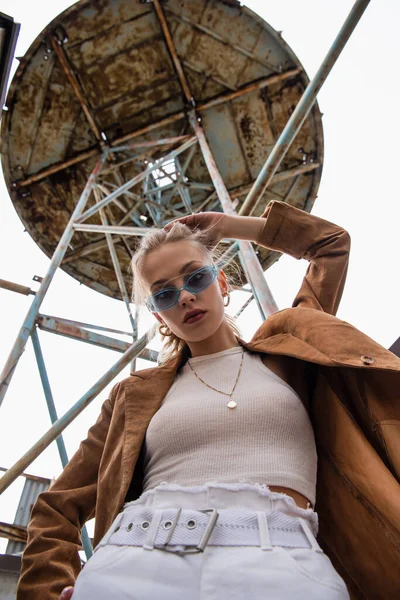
{"type": "Point", "coordinates": [367, 360]}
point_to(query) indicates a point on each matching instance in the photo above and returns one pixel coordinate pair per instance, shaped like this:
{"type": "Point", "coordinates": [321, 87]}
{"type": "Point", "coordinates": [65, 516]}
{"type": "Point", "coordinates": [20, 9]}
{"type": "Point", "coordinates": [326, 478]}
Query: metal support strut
{"type": "Point", "coordinates": [53, 417]}
{"type": "Point", "coordinates": [302, 110]}
{"type": "Point", "coordinates": [248, 256]}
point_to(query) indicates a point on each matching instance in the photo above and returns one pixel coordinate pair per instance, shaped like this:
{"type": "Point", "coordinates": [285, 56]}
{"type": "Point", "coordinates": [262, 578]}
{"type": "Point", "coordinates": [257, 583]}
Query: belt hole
{"type": "Point", "coordinates": [129, 526]}
{"type": "Point", "coordinates": [167, 524]}
{"type": "Point", "coordinates": [145, 524]}
{"type": "Point", "coordinates": [116, 529]}
{"type": "Point", "coordinates": [191, 524]}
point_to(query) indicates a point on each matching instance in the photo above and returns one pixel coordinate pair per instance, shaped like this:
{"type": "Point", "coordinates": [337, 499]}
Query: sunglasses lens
{"type": "Point", "coordinates": [201, 279]}
{"type": "Point", "coordinates": [164, 299]}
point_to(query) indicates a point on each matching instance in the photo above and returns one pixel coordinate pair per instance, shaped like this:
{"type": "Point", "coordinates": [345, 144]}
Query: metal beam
{"type": "Point", "coordinates": [150, 127]}
{"type": "Point", "coordinates": [17, 469]}
{"type": "Point", "coordinates": [56, 168]}
{"type": "Point", "coordinates": [58, 255]}
{"type": "Point", "coordinates": [302, 109]}
{"type": "Point", "coordinates": [116, 264]}
{"type": "Point", "coordinates": [85, 250]}
{"type": "Point", "coordinates": [151, 143]}
{"type": "Point", "coordinates": [238, 191]}
{"type": "Point", "coordinates": [48, 394]}
{"type": "Point", "coordinates": [70, 323]}
{"type": "Point", "coordinates": [16, 287]}
{"type": "Point", "coordinates": [134, 181]}
{"type": "Point", "coordinates": [247, 89]}
{"type": "Point", "coordinates": [54, 417]}
{"type": "Point", "coordinates": [78, 331]}
{"type": "Point", "coordinates": [228, 255]}
{"type": "Point", "coordinates": [62, 57]}
{"type": "Point", "coordinates": [15, 533]}
{"type": "Point", "coordinates": [226, 97]}
{"type": "Point", "coordinates": [302, 169]}
{"type": "Point", "coordinates": [172, 50]}
{"type": "Point", "coordinates": [118, 229]}
{"type": "Point", "coordinates": [253, 271]}
{"type": "Point", "coordinates": [245, 305]}
{"type": "Point", "coordinates": [57, 326]}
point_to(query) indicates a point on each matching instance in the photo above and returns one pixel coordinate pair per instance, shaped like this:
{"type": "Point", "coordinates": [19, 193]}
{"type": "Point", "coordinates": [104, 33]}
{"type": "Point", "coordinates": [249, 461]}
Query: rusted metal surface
{"type": "Point", "coordinates": [82, 332]}
{"type": "Point", "coordinates": [56, 44]}
{"type": "Point", "coordinates": [171, 47]}
{"type": "Point", "coordinates": [245, 82]}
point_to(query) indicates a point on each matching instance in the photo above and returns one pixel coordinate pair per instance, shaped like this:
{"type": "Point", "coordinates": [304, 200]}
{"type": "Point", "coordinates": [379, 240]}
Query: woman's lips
{"type": "Point", "coordinates": [195, 318]}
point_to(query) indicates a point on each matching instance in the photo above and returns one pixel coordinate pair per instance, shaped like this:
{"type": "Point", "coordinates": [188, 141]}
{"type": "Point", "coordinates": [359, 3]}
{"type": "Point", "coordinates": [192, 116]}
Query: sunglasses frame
{"type": "Point", "coordinates": [149, 301]}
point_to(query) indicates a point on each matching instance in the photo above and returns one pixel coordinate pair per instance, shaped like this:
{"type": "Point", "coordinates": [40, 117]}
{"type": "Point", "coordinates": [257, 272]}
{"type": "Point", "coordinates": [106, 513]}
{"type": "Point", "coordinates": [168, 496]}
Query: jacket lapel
{"type": "Point", "coordinates": [317, 337]}
{"type": "Point", "coordinates": [144, 394]}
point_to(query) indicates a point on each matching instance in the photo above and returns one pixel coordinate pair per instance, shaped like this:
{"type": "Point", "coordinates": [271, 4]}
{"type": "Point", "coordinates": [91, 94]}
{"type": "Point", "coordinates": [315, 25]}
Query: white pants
{"type": "Point", "coordinates": [228, 572]}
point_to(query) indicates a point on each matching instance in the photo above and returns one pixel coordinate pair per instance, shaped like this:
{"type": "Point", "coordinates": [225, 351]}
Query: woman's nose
{"type": "Point", "coordinates": [185, 297]}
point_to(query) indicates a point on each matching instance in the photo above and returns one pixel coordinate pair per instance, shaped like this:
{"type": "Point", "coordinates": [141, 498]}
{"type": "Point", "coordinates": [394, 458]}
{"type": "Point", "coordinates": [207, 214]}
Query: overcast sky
{"type": "Point", "coordinates": [359, 190]}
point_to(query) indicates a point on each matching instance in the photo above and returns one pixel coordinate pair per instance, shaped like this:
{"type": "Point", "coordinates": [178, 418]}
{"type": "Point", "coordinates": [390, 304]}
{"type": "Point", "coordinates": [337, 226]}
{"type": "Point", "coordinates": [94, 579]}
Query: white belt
{"type": "Point", "coordinates": [189, 531]}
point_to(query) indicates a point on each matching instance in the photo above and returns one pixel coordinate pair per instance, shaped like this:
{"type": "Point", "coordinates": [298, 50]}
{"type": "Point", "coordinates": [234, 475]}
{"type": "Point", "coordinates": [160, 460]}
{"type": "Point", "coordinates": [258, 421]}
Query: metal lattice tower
{"type": "Point", "coordinates": [124, 115]}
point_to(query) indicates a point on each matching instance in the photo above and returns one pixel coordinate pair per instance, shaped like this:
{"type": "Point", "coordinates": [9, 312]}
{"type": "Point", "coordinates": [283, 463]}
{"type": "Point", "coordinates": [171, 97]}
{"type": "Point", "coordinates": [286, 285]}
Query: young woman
{"type": "Point", "coordinates": [202, 472]}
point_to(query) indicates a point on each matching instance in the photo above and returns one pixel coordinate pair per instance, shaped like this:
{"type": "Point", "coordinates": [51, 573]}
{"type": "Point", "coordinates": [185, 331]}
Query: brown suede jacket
{"type": "Point", "coordinates": [353, 402]}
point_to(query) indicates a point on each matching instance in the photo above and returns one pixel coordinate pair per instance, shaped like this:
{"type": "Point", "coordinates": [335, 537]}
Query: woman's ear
{"type": "Point", "coordinates": [159, 319]}
{"type": "Point", "coordinates": [223, 282]}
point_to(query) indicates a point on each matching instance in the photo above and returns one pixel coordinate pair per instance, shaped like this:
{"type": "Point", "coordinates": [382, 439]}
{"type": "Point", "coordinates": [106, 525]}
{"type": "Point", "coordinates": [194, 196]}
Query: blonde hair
{"type": "Point", "coordinates": [173, 345]}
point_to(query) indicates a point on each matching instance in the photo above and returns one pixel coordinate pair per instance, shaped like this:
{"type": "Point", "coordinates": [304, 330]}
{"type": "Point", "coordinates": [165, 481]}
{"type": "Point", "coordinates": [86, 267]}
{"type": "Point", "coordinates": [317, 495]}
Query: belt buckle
{"type": "Point", "coordinates": [204, 538]}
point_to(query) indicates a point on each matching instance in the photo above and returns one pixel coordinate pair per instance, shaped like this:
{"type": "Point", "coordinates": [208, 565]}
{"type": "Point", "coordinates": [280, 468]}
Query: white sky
{"type": "Point", "coordinates": [359, 190]}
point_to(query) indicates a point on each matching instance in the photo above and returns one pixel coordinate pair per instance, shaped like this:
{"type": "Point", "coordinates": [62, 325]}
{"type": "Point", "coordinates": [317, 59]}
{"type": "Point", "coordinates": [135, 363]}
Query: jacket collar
{"type": "Point", "coordinates": [309, 335]}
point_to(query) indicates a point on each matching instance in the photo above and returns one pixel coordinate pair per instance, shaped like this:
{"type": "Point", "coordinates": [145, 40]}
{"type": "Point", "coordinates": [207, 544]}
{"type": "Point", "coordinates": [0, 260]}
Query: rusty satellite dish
{"type": "Point", "coordinates": [101, 75]}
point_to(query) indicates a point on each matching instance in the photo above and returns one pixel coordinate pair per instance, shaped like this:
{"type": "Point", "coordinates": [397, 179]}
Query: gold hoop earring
{"type": "Point", "coordinates": [165, 332]}
{"type": "Point", "coordinates": [227, 295]}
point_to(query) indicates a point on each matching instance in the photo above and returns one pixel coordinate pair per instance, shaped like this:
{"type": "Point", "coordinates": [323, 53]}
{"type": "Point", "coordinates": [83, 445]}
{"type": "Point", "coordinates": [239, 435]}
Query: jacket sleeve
{"type": "Point", "coordinates": [325, 245]}
{"type": "Point", "coordinates": [51, 560]}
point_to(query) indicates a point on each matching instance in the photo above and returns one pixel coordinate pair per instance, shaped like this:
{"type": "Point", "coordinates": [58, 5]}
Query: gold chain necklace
{"type": "Point", "coordinates": [231, 403]}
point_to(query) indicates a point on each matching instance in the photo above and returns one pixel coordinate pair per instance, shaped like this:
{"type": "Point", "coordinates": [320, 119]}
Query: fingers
{"type": "Point", "coordinates": [190, 221]}
{"type": "Point", "coordinates": [66, 594]}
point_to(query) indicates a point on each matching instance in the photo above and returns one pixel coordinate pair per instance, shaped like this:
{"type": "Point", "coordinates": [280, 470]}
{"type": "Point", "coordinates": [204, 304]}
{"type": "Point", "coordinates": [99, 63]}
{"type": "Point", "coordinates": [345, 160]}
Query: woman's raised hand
{"type": "Point", "coordinates": [215, 224]}
{"type": "Point", "coordinates": [219, 226]}
{"type": "Point", "coordinates": [66, 594]}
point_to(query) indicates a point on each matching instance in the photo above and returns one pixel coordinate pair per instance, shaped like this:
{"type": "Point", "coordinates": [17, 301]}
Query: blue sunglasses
{"type": "Point", "coordinates": [195, 283]}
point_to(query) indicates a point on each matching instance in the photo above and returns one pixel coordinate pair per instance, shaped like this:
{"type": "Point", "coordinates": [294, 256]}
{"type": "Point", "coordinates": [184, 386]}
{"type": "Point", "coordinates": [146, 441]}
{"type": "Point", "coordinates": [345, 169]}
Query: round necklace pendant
{"type": "Point", "coordinates": [232, 404]}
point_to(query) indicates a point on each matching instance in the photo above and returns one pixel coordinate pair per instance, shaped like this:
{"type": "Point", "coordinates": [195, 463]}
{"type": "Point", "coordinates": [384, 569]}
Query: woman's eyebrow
{"type": "Point", "coordinates": [182, 270]}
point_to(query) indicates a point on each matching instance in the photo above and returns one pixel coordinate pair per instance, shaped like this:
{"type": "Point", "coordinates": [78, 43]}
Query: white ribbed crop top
{"type": "Point", "coordinates": [194, 438]}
